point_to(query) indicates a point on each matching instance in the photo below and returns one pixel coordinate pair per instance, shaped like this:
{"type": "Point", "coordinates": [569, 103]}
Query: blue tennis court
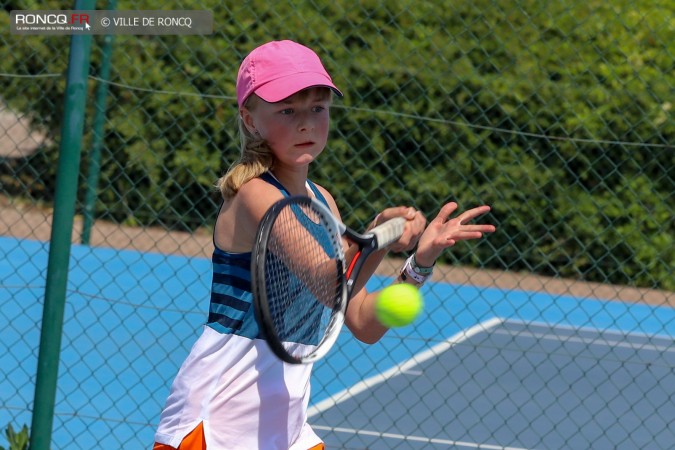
{"type": "Point", "coordinates": [559, 387]}
{"type": "Point", "coordinates": [484, 368]}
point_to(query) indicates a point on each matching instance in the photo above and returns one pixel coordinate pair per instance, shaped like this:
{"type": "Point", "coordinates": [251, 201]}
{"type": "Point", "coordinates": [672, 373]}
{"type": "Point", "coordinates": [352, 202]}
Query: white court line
{"type": "Point", "coordinates": [587, 328]}
{"type": "Point", "coordinates": [406, 366]}
{"type": "Point", "coordinates": [578, 339]}
{"type": "Point", "coordinates": [415, 438]}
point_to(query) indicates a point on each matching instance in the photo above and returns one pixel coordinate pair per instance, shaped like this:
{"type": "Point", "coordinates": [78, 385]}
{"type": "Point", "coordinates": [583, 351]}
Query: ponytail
{"type": "Point", "coordinates": [256, 158]}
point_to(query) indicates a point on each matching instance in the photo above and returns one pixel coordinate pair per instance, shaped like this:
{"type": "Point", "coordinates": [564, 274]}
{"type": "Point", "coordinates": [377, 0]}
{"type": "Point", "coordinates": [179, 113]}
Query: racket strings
{"type": "Point", "coordinates": [303, 273]}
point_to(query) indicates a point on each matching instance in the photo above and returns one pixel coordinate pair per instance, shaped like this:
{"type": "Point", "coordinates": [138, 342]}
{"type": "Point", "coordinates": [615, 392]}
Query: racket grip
{"type": "Point", "coordinates": [388, 232]}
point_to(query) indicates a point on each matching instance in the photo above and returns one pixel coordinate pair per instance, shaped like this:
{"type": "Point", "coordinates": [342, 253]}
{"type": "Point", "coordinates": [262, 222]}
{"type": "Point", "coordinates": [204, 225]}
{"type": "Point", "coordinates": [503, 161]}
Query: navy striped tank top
{"type": "Point", "coordinates": [231, 306]}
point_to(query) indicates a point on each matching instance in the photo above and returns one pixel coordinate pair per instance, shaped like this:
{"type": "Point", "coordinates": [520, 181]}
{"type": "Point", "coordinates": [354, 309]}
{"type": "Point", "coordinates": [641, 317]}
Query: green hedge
{"type": "Point", "coordinates": [441, 103]}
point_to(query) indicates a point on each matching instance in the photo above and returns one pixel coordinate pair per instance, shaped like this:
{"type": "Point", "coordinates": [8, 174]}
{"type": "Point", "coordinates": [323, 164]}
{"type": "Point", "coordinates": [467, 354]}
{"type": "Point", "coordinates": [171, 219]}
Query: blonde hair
{"type": "Point", "coordinates": [256, 156]}
{"type": "Point", "coordinates": [255, 159]}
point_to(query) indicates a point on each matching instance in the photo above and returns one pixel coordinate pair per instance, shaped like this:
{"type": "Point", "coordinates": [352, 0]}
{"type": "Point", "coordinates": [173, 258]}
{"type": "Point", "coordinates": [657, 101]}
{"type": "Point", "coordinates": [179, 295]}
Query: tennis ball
{"type": "Point", "coordinates": [398, 305]}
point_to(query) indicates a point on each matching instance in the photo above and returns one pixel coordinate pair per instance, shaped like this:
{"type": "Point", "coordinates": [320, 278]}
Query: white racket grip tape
{"type": "Point", "coordinates": [389, 232]}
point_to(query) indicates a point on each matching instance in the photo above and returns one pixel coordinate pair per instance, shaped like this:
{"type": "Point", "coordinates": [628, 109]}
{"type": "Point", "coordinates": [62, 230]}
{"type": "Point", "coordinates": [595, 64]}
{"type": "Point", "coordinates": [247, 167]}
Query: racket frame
{"type": "Point", "coordinates": [375, 239]}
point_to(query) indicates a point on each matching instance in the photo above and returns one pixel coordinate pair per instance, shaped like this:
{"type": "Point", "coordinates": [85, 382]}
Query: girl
{"type": "Point", "coordinates": [232, 392]}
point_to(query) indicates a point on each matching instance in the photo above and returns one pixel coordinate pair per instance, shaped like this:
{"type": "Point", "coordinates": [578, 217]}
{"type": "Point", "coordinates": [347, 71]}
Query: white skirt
{"type": "Point", "coordinates": [246, 397]}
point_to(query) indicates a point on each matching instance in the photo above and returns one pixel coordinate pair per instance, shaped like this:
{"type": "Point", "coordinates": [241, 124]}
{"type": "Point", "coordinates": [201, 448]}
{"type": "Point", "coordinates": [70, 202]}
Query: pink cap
{"type": "Point", "coordinates": [279, 69]}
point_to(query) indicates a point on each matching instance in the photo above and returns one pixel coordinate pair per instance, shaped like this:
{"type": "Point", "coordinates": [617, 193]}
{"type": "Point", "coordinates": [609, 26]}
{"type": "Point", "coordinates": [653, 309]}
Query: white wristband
{"type": "Point", "coordinates": [421, 270]}
{"type": "Point", "coordinates": [408, 274]}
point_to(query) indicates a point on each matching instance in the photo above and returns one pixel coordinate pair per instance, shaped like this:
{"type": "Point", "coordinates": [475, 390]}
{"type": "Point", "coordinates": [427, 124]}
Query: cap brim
{"type": "Point", "coordinates": [283, 87]}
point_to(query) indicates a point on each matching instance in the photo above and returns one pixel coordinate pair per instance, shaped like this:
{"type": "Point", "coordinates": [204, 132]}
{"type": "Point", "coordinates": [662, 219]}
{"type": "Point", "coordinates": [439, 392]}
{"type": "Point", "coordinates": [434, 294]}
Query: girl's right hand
{"type": "Point", "coordinates": [415, 225]}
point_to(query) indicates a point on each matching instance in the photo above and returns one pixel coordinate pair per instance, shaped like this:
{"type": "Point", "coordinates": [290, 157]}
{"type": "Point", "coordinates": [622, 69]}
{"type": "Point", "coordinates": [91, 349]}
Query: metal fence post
{"type": "Point", "coordinates": [62, 225]}
{"type": "Point", "coordinates": [94, 171]}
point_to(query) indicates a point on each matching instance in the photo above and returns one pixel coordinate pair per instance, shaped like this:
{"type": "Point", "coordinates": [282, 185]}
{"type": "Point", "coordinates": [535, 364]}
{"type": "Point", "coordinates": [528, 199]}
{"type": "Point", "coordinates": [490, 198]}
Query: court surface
{"type": "Point", "coordinates": [509, 384]}
{"type": "Point", "coordinates": [486, 368]}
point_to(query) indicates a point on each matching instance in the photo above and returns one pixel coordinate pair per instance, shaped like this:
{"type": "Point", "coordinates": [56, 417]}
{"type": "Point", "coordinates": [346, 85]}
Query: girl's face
{"type": "Point", "coordinates": [296, 129]}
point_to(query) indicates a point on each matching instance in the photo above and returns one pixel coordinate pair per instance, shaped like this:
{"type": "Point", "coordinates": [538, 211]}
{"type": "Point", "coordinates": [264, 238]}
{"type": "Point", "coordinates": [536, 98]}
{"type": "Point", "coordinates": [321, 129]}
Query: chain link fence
{"type": "Point", "coordinates": [555, 332]}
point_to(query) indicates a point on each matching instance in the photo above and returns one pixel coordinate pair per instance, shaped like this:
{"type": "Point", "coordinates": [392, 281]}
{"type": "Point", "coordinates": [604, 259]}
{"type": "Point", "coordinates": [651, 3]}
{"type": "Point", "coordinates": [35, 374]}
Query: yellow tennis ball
{"type": "Point", "coordinates": [398, 305]}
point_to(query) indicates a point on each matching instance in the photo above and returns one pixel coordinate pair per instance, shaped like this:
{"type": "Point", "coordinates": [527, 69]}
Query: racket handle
{"type": "Point", "coordinates": [388, 232]}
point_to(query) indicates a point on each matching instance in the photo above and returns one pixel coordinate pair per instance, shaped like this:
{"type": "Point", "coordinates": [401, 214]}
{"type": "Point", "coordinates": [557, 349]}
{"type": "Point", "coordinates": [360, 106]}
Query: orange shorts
{"type": "Point", "coordinates": [196, 441]}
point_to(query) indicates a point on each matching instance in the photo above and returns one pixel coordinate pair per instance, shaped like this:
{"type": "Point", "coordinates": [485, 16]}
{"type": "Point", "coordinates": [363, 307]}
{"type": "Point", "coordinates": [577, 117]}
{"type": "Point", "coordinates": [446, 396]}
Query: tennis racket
{"type": "Point", "coordinates": [301, 283]}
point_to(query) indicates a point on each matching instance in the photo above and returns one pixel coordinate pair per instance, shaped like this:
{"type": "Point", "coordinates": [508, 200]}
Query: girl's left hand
{"type": "Point", "coordinates": [444, 232]}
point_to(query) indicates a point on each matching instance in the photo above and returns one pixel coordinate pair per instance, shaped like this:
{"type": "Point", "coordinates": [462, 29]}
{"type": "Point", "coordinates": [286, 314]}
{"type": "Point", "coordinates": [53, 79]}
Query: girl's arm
{"type": "Point", "coordinates": [442, 232]}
